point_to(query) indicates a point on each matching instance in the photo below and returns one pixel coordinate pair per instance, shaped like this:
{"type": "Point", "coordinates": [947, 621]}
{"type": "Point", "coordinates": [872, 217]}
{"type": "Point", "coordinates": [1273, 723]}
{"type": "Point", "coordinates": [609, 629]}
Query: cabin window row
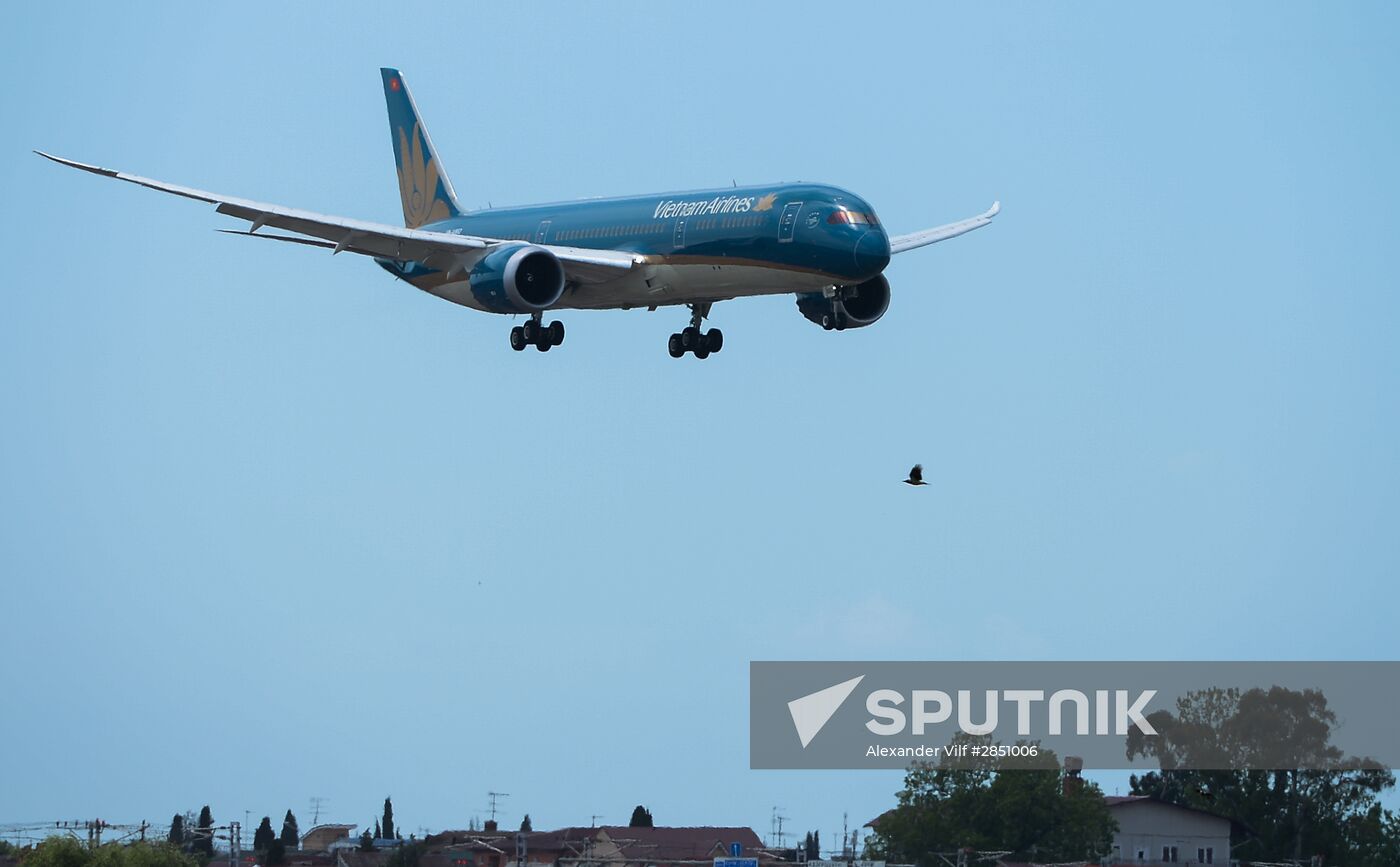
{"type": "Point", "coordinates": [657, 228]}
{"type": "Point", "coordinates": [612, 231]}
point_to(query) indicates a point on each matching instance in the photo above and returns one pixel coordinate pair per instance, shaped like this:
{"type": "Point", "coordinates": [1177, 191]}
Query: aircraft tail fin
{"type": "Point", "coordinates": [427, 193]}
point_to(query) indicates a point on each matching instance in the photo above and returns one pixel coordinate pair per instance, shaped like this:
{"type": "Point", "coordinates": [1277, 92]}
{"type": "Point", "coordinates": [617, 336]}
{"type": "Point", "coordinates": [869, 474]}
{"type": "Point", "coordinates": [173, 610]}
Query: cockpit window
{"type": "Point", "coordinates": [854, 218]}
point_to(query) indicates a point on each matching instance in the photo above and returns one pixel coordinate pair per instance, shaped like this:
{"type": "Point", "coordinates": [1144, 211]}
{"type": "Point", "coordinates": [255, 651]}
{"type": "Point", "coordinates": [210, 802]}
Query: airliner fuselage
{"type": "Point", "coordinates": [701, 245]}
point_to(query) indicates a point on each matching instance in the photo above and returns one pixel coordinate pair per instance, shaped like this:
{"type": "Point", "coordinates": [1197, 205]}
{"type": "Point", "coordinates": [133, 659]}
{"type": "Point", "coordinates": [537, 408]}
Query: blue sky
{"type": "Point", "coordinates": [274, 526]}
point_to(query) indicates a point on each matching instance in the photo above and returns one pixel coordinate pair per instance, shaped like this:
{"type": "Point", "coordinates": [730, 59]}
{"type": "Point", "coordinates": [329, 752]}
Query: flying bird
{"type": "Point", "coordinates": [916, 476]}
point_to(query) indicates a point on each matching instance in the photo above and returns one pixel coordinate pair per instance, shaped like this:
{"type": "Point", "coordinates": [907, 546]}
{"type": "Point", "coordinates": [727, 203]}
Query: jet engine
{"type": "Point", "coordinates": [517, 278]}
{"type": "Point", "coordinates": [850, 306]}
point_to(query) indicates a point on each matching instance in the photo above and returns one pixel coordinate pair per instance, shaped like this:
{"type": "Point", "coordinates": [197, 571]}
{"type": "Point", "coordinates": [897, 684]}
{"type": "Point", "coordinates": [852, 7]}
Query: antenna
{"type": "Point", "coordinates": [777, 826]}
{"type": "Point", "coordinates": [494, 796]}
{"type": "Point", "coordinates": [316, 803]}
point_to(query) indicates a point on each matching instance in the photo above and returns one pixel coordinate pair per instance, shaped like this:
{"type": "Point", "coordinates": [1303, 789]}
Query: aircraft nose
{"type": "Point", "coordinates": [872, 252]}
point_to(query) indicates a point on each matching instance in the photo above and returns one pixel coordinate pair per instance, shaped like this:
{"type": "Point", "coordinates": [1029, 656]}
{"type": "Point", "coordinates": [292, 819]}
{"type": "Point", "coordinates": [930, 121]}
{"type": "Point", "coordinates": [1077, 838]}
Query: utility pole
{"type": "Point", "coordinates": [235, 844]}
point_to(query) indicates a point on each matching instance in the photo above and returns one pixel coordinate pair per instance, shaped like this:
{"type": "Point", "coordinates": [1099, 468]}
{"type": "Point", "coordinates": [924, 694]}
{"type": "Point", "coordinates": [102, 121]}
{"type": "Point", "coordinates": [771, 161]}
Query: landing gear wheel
{"type": "Point", "coordinates": [555, 333]}
{"type": "Point", "coordinates": [828, 321]}
{"type": "Point", "coordinates": [842, 320]}
{"type": "Point", "coordinates": [532, 331]}
{"type": "Point", "coordinates": [517, 338]}
{"type": "Point", "coordinates": [543, 345]}
{"type": "Point", "coordinates": [692, 339]}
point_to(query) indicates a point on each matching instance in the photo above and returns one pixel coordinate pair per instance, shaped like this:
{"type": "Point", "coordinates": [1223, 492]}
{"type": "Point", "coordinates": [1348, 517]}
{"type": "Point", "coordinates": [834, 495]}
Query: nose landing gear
{"type": "Point", "coordinates": [836, 318]}
{"type": "Point", "coordinates": [692, 339]}
{"type": "Point", "coordinates": [536, 333]}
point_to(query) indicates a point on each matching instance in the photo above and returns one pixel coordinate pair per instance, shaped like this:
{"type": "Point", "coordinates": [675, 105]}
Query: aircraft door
{"type": "Point", "coordinates": [788, 222]}
{"type": "Point", "coordinates": [542, 232]}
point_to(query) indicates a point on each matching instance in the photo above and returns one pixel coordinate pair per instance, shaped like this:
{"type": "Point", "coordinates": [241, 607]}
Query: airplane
{"type": "Point", "coordinates": [819, 242]}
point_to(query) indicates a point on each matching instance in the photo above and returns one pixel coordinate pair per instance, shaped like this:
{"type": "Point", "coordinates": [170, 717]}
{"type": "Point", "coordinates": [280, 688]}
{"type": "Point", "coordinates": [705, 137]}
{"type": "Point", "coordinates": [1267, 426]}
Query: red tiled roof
{"type": "Point", "coordinates": [541, 840]}
{"type": "Point", "coordinates": [700, 843]}
{"type": "Point", "coordinates": [679, 844]}
{"type": "Point", "coordinates": [356, 858]}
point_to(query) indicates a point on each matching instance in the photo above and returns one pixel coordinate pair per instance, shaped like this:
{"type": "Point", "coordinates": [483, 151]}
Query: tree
{"type": "Point", "coordinates": [1021, 805]}
{"type": "Point", "coordinates": [263, 837]}
{"type": "Point", "coordinates": [525, 824]}
{"type": "Point", "coordinates": [641, 818]}
{"type": "Point", "coordinates": [276, 853]}
{"type": "Point", "coordinates": [388, 827]}
{"type": "Point", "coordinates": [1303, 796]}
{"type": "Point", "coordinates": [69, 852]}
{"type": "Point", "coordinates": [812, 846]}
{"type": "Point", "coordinates": [204, 838]}
{"type": "Point", "coordinates": [1374, 838]}
{"type": "Point", "coordinates": [177, 830]}
{"type": "Point", "coordinates": [59, 852]}
{"type": "Point", "coordinates": [366, 842]}
{"type": "Point", "coordinates": [291, 837]}
{"type": "Point", "coordinates": [378, 834]}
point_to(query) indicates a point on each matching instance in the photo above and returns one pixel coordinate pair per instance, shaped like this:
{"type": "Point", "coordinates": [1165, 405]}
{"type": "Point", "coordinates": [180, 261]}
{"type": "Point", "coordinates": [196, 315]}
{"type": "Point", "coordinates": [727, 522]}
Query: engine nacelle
{"type": "Point", "coordinates": [852, 306]}
{"type": "Point", "coordinates": [517, 278]}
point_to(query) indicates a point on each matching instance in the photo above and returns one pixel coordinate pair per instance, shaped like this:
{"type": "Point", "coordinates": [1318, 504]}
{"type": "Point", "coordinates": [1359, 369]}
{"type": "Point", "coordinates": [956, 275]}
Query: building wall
{"type": "Point", "coordinates": [319, 838]}
{"type": "Point", "coordinates": [1147, 827]}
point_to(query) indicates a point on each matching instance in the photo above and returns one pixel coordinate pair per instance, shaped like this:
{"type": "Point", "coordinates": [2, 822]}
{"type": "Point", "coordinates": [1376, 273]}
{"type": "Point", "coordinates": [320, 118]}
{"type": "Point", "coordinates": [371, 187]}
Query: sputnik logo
{"type": "Point", "coordinates": [811, 712]}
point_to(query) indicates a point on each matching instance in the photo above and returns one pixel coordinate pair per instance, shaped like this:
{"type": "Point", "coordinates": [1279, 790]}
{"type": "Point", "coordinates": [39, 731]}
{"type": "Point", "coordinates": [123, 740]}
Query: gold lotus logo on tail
{"type": "Point", "coordinates": [418, 182]}
{"type": "Point", "coordinates": [766, 203]}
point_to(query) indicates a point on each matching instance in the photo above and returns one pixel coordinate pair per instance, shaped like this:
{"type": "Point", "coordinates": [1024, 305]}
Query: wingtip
{"type": "Point", "coordinates": [63, 161]}
{"type": "Point", "coordinates": [994, 209]}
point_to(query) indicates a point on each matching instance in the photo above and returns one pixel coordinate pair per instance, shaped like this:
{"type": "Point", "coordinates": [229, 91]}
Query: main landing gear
{"type": "Point", "coordinates": [692, 339]}
{"type": "Point", "coordinates": [536, 333]}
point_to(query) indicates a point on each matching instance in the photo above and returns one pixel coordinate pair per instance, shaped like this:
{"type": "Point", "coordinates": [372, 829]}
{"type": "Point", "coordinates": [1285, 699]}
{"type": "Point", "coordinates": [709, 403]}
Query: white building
{"type": "Point", "coordinates": [1152, 832]}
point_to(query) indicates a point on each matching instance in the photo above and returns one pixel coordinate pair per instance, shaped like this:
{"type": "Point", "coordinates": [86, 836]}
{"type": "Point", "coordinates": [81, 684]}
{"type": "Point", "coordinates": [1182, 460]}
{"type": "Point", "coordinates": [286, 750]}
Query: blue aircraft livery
{"type": "Point", "coordinates": [823, 244]}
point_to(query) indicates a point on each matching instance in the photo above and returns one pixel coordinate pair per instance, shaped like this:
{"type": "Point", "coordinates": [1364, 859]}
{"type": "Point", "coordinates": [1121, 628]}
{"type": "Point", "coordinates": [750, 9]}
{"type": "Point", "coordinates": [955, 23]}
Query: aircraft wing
{"type": "Point", "coordinates": [444, 250]}
{"type": "Point", "coordinates": [900, 243]}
